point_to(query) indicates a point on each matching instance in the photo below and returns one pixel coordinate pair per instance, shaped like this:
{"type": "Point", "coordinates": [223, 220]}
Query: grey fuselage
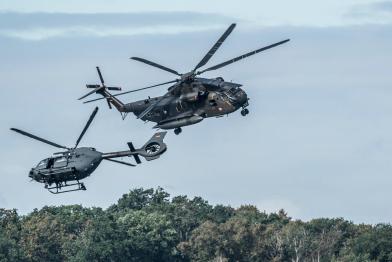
{"type": "Point", "coordinates": [201, 99]}
{"type": "Point", "coordinates": [74, 165]}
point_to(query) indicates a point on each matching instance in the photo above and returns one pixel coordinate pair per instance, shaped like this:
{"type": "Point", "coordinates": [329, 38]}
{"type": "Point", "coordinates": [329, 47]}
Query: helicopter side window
{"type": "Point", "coordinates": [60, 161]}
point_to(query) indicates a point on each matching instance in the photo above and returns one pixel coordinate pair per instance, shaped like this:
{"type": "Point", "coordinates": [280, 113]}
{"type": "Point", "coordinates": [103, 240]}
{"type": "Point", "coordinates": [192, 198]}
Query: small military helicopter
{"type": "Point", "coordinates": [66, 169]}
{"type": "Point", "coordinates": [190, 99]}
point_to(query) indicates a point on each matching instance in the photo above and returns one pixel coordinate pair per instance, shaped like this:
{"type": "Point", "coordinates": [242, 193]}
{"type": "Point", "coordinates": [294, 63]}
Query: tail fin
{"type": "Point", "coordinates": [154, 147]}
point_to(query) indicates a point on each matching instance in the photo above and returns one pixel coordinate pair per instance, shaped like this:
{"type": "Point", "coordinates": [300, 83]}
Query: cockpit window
{"type": "Point", "coordinates": [233, 91]}
{"type": "Point", "coordinates": [42, 163]}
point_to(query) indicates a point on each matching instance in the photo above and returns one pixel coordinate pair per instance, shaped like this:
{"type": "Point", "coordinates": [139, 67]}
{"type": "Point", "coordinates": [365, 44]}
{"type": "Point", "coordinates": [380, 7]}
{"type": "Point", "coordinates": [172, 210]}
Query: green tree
{"type": "Point", "coordinates": [187, 215]}
{"type": "Point", "coordinates": [149, 236]}
{"type": "Point", "coordinates": [100, 241]}
{"type": "Point", "coordinates": [10, 227]}
{"type": "Point", "coordinates": [148, 225]}
{"type": "Point", "coordinates": [374, 242]}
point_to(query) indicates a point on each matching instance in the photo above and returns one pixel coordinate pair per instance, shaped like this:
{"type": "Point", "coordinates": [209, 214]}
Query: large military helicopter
{"type": "Point", "coordinates": [190, 99]}
{"type": "Point", "coordinates": [77, 163]}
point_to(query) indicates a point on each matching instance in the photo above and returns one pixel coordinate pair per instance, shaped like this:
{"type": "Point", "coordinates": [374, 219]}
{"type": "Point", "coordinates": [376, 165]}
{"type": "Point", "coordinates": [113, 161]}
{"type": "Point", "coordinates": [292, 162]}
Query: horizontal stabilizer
{"type": "Point", "coordinates": [132, 148]}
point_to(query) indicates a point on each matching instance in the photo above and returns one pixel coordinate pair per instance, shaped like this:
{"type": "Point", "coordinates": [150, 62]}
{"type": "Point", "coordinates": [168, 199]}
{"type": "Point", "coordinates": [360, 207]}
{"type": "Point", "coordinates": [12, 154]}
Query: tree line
{"type": "Point", "coordinates": [149, 225]}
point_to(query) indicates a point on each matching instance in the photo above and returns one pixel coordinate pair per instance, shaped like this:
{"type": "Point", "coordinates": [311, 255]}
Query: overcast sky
{"type": "Point", "coordinates": [317, 141]}
{"type": "Point", "coordinates": [262, 12]}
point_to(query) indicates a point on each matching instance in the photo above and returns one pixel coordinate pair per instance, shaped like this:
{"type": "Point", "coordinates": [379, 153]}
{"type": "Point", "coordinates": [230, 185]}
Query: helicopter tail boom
{"type": "Point", "coordinates": [151, 150]}
{"type": "Point", "coordinates": [114, 101]}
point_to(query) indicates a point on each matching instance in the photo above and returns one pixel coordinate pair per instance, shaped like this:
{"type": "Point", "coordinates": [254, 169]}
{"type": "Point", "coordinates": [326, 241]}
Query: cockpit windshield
{"type": "Point", "coordinates": [53, 162]}
{"type": "Point", "coordinates": [42, 164]}
{"type": "Point", "coordinates": [231, 93]}
{"type": "Point", "coordinates": [234, 89]}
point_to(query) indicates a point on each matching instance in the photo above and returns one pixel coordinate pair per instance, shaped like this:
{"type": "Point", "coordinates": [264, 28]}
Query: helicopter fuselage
{"type": "Point", "coordinates": [65, 169]}
{"type": "Point", "coordinates": [201, 99]}
{"type": "Point", "coordinates": [191, 98]}
{"type": "Point", "coordinates": [73, 165]}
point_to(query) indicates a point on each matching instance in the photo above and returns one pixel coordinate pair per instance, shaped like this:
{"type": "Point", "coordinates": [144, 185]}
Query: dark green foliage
{"type": "Point", "coordinates": [10, 236]}
{"type": "Point", "coordinates": [146, 225]}
{"type": "Point", "coordinates": [374, 242]}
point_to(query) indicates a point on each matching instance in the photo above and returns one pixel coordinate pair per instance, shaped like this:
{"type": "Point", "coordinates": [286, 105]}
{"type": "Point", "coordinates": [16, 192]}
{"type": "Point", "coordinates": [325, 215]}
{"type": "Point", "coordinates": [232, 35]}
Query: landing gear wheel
{"type": "Point", "coordinates": [177, 130]}
{"type": "Point", "coordinates": [244, 112]}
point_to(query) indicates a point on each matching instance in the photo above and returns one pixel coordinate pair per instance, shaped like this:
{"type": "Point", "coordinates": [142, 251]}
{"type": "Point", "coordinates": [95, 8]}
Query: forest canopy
{"type": "Point", "coordinates": [149, 225]}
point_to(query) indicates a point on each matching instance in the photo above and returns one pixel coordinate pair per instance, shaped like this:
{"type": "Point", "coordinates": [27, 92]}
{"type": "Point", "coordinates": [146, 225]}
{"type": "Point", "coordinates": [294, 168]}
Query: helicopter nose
{"type": "Point", "coordinates": [242, 97]}
{"type": "Point", "coordinates": [34, 175]}
{"type": "Point", "coordinates": [245, 98]}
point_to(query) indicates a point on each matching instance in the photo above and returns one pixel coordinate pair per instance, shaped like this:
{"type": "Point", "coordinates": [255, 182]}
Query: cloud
{"type": "Point", "coordinates": [377, 12]}
{"type": "Point", "coordinates": [94, 31]}
{"type": "Point", "coordinates": [384, 6]}
{"type": "Point", "coordinates": [41, 26]}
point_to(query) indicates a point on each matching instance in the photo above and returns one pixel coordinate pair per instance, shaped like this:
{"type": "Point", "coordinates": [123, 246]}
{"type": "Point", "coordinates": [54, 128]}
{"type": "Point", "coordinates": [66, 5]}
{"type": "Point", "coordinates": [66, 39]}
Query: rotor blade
{"type": "Point", "coordinates": [119, 162]}
{"type": "Point", "coordinates": [100, 76]}
{"type": "Point", "coordinates": [151, 107]}
{"type": "Point", "coordinates": [86, 126]}
{"type": "Point", "coordinates": [92, 86]}
{"type": "Point", "coordinates": [242, 57]}
{"type": "Point", "coordinates": [143, 88]}
{"type": "Point", "coordinates": [131, 91]}
{"type": "Point", "coordinates": [114, 88]}
{"type": "Point", "coordinates": [91, 92]}
{"type": "Point", "coordinates": [156, 65]}
{"type": "Point", "coordinates": [38, 138]}
{"type": "Point", "coordinates": [215, 47]}
{"type": "Point", "coordinates": [109, 105]}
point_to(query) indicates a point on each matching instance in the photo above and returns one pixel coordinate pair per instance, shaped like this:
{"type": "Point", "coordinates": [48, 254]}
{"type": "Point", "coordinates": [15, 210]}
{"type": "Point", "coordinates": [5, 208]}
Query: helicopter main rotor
{"type": "Point", "coordinates": [192, 74]}
{"type": "Point", "coordinates": [91, 118]}
{"type": "Point", "coordinates": [39, 138]}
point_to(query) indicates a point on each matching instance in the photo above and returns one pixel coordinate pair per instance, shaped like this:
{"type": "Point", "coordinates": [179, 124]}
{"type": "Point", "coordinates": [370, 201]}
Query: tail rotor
{"type": "Point", "coordinates": [100, 89]}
